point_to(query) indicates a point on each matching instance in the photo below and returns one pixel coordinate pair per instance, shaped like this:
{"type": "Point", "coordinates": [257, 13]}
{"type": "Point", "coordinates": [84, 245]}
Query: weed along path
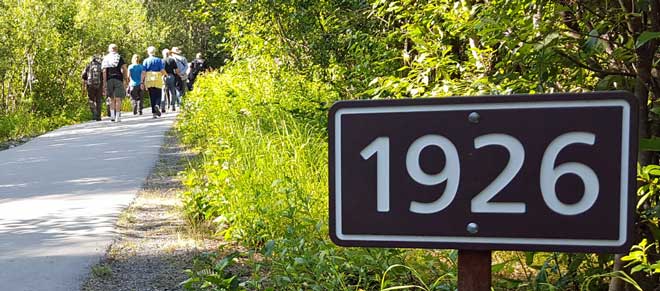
{"type": "Point", "coordinates": [61, 193]}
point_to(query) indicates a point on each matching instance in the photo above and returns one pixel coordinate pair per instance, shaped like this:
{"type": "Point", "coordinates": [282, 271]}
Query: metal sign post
{"type": "Point", "coordinates": [549, 172]}
{"type": "Point", "coordinates": [474, 270]}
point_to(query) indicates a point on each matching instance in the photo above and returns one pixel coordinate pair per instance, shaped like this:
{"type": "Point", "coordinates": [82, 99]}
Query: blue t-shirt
{"type": "Point", "coordinates": [153, 64]}
{"type": "Point", "coordinates": [135, 71]}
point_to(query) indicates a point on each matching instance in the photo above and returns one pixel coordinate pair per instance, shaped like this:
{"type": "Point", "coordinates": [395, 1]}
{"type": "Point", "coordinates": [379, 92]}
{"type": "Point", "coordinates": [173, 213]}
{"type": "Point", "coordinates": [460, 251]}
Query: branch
{"type": "Point", "coordinates": [655, 15]}
{"type": "Point", "coordinates": [633, 22]}
{"type": "Point", "coordinates": [579, 35]}
{"type": "Point", "coordinates": [597, 70]}
{"type": "Point", "coordinates": [592, 11]}
{"type": "Point", "coordinates": [655, 25]}
{"type": "Point", "coordinates": [281, 32]}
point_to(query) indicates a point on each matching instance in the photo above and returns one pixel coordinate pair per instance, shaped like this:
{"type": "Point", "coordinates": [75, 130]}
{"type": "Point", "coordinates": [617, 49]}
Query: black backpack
{"type": "Point", "coordinates": [94, 74]}
{"type": "Point", "coordinates": [199, 65]}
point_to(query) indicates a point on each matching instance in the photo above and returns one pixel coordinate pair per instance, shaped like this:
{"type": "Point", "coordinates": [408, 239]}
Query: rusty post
{"type": "Point", "coordinates": [474, 270]}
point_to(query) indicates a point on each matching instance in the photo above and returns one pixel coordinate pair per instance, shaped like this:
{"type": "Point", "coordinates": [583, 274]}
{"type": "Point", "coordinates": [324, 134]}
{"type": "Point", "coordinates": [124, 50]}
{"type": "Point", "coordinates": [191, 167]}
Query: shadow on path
{"type": "Point", "coordinates": [61, 193]}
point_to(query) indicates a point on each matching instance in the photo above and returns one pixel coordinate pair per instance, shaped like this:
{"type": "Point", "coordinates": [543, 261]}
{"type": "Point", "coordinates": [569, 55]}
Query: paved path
{"type": "Point", "coordinates": [61, 193]}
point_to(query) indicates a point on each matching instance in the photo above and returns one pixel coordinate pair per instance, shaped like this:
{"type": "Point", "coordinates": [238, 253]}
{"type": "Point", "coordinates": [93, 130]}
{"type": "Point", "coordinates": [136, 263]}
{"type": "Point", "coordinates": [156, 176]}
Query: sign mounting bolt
{"type": "Point", "coordinates": [472, 228]}
{"type": "Point", "coordinates": [474, 117]}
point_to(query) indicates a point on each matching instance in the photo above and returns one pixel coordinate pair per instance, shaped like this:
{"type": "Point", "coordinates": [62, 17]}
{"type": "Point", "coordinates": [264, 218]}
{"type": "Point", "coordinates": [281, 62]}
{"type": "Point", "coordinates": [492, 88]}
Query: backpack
{"type": "Point", "coordinates": [94, 74]}
{"type": "Point", "coordinates": [198, 66]}
{"type": "Point", "coordinates": [181, 66]}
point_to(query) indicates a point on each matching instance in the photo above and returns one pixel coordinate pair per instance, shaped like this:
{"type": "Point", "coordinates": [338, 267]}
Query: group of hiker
{"type": "Point", "coordinates": [165, 81]}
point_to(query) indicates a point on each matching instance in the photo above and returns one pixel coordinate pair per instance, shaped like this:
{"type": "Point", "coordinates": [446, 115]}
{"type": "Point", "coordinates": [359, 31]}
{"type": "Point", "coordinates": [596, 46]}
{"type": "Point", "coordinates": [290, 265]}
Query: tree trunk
{"type": "Point", "coordinates": [643, 158]}
{"type": "Point", "coordinates": [616, 284]}
{"type": "Point", "coordinates": [636, 25]}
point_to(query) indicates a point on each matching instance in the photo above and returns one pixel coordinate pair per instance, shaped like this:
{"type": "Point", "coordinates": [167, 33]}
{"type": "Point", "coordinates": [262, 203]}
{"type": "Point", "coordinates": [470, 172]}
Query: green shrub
{"type": "Point", "coordinates": [22, 124]}
{"type": "Point", "coordinates": [260, 158]}
{"type": "Point", "coordinates": [210, 273]}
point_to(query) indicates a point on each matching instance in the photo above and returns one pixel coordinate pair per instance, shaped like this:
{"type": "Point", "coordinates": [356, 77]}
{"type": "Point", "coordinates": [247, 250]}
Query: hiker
{"type": "Point", "coordinates": [153, 79]}
{"type": "Point", "coordinates": [115, 76]}
{"type": "Point", "coordinates": [171, 70]}
{"type": "Point", "coordinates": [181, 77]}
{"type": "Point", "coordinates": [197, 66]}
{"type": "Point", "coordinates": [92, 83]}
{"type": "Point", "coordinates": [136, 73]}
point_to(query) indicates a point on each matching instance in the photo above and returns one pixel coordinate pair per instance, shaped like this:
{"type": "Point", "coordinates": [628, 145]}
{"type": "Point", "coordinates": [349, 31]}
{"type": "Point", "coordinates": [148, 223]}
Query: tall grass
{"type": "Point", "coordinates": [258, 160]}
{"type": "Point", "coordinates": [262, 177]}
{"type": "Point", "coordinates": [23, 124]}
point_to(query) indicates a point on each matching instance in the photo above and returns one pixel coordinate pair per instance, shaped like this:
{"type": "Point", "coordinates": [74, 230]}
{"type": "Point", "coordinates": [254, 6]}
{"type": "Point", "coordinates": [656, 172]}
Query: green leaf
{"type": "Point", "coordinates": [649, 144]}
{"type": "Point", "coordinates": [655, 231]}
{"type": "Point", "coordinates": [404, 287]}
{"type": "Point", "coordinates": [498, 267]}
{"type": "Point", "coordinates": [592, 41]}
{"type": "Point", "coordinates": [636, 269]}
{"type": "Point", "coordinates": [655, 109]}
{"type": "Point", "coordinates": [268, 248]}
{"type": "Point", "coordinates": [299, 261]}
{"type": "Point", "coordinates": [529, 258]}
{"type": "Point", "coordinates": [651, 168]}
{"type": "Point", "coordinates": [646, 37]}
{"type": "Point", "coordinates": [226, 261]}
{"type": "Point", "coordinates": [643, 199]}
{"type": "Point", "coordinates": [548, 40]}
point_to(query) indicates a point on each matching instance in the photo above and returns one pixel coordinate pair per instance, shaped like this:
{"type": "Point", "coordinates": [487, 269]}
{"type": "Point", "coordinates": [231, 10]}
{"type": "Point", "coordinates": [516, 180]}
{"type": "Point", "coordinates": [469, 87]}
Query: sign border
{"type": "Point", "coordinates": [629, 145]}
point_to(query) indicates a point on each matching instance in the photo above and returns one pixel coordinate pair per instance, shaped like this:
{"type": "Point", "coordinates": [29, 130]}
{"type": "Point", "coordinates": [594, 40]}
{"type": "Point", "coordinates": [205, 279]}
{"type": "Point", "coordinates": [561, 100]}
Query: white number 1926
{"type": "Point", "coordinates": [481, 202]}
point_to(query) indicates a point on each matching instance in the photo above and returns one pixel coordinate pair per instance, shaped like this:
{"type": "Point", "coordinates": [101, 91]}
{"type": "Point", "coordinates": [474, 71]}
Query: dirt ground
{"type": "Point", "coordinates": [153, 245]}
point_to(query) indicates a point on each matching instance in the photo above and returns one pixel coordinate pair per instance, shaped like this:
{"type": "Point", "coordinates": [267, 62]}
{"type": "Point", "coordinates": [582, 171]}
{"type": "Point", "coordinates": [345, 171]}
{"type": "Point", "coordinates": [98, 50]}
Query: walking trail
{"type": "Point", "coordinates": [61, 194]}
{"type": "Point", "coordinates": [155, 244]}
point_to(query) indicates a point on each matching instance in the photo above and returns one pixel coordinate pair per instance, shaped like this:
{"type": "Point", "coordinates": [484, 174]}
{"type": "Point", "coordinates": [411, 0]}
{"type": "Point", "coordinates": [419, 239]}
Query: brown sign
{"type": "Point", "coordinates": [533, 172]}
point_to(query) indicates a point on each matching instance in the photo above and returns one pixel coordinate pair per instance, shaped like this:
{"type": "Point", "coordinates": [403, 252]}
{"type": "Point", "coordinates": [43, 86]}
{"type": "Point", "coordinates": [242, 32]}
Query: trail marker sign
{"type": "Point", "coordinates": [520, 172]}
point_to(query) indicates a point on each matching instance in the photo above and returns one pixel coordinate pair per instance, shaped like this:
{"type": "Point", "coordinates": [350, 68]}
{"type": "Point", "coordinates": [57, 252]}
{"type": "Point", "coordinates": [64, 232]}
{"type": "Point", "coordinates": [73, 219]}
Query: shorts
{"type": "Point", "coordinates": [115, 88]}
{"type": "Point", "coordinates": [135, 92]}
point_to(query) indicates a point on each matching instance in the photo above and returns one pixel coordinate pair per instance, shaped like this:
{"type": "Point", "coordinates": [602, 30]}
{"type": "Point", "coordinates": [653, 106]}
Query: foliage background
{"type": "Point", "coordinates": [47, 43]}
{"type": "Point", "coordinates": [352, 49]}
